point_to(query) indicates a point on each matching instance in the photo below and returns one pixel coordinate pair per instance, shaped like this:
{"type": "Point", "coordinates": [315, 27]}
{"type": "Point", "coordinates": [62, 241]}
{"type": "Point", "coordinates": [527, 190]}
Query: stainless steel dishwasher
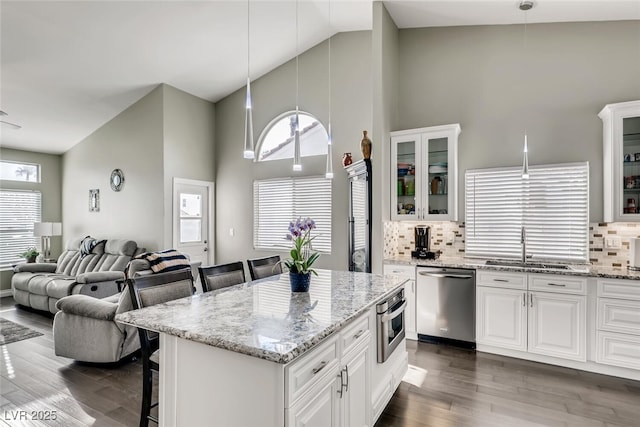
{"type": "Point", "coordinates": [446, 305]}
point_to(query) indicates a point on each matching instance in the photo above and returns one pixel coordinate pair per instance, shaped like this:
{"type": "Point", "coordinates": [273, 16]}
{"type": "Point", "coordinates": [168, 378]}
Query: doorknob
{"type": "Point", "coordinates": [205, 242]}
{"type": "Point", "coordinates": [205, 249]}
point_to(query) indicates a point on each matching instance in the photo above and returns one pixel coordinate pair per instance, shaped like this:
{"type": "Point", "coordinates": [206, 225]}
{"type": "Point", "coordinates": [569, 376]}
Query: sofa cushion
{"type": "Point", "coordinates": [113, 255]}
{"type": "Point", "coordinates": [21, 281]}
{"type": "Point", "coordinates": [39, 283]}
{"type": "Point", "coordinates": [60, 287]}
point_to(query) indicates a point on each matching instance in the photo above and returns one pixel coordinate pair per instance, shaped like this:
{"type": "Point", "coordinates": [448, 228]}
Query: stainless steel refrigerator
{"type": "Point", "coordinates": [359, 174]}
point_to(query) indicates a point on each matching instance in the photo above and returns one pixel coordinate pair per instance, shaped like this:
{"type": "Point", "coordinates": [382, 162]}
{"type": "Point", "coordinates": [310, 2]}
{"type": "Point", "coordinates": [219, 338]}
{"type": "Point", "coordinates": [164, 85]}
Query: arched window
{"type": "Point", "coordinates": [276, 140]}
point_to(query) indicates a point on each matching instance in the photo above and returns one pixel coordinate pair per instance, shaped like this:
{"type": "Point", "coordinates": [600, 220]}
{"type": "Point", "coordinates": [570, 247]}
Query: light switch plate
{"type": "Point", "coordinates": [612, 242]}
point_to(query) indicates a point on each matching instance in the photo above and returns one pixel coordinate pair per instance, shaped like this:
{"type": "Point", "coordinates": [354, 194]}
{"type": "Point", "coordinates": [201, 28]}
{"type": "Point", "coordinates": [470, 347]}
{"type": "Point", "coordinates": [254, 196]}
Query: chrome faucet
{"type": "Point", "coordinates": [523, 240]}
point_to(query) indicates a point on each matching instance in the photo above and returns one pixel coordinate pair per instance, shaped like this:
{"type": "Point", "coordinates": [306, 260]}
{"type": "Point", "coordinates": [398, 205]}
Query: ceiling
{"type": "Point", "coordinates": [68, 67]}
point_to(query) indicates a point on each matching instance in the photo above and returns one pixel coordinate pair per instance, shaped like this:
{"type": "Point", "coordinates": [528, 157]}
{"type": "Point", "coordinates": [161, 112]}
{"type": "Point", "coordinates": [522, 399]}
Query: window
{"type": "Point", "coordinates": [13, 171]}
{"type": "Point", "coordinates": [278, 201]}
{"type": "Point", "coordinates": [18, 211]}
{"type": "Point", "coordinates": [276, 141]}
{"type": "Point", "coordinates": [552, 206]}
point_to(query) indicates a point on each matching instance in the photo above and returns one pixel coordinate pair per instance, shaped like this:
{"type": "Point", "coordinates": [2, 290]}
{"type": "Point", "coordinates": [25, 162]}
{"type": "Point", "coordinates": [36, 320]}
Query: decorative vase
{"type": "Point", "coordinates": [299, 281]}
{"type": "Point", "coordinates": [365, 146]}
{"type": "Point", "coordinates": [346, 159]}
{"type": "Point", "coordinates": [31, 259]}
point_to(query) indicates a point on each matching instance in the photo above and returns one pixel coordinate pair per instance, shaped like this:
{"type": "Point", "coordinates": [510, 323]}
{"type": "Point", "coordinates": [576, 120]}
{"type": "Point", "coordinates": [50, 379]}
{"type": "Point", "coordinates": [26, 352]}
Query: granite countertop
{"type": "Point", "coordinates": [263, 318]}
{"type": "Point", "coordinates": [479, 264]}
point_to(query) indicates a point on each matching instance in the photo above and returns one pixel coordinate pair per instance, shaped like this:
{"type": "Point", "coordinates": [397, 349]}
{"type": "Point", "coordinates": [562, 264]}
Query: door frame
{"type": "Point", "coordinates": [211, 216]}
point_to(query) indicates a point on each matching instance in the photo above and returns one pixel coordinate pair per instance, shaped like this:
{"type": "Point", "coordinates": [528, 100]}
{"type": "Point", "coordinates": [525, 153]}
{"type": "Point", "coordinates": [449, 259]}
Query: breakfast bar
{"type": "Point", "coordinates": [257, 354]}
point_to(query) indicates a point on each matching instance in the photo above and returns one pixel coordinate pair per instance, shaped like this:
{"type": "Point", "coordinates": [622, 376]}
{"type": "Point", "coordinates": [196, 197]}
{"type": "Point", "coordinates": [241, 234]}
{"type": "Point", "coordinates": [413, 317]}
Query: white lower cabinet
{"type": "Point", "coordinates": [550, 323]}
{"type": "Point", "coordinates": [618, 324]}
{"type": "Point", "coordinates": [331, 387]}
{"type": "Point", "coordinates": [557, 325]}
{"type": "Point", "coordinates": [501, 317]}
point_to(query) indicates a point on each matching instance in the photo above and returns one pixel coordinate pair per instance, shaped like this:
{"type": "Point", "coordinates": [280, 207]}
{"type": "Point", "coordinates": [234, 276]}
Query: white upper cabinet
{"type": "Point", "coordinates": [424, 173]}
{"type": "Point", "coordinates": [621, 169]}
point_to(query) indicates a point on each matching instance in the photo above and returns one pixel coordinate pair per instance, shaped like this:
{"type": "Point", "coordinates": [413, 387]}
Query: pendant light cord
{"type": "Point", "coordinates": [330, 31]}
{"type": "Point", "coordinates": [297, 66]}
{"type": "Point", "coordinates": [248, 39]}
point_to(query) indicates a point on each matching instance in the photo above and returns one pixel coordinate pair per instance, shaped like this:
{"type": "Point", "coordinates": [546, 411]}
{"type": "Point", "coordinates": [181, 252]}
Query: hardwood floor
{"type": "Point", "coordinates": [445, 386]}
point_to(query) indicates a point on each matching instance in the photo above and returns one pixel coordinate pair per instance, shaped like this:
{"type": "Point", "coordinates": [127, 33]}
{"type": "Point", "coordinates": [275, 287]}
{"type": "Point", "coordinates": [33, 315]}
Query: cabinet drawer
{"type": "Point", "coordinates": [355, 333]}
{"type": "Point", "coordinates": [498, 279]}
{"type": "Point", "coordinates": [405, 271]}
{"type": "Point", "coordinates": [625, 289]}
{"type": "Point", "coordinates": [618, 349]}
{"type": "Point", "coordinates": [305, 373]}
{"type": "Point", "coordinates": [558, 284]}
{"type": "Point", "coordinates": [615, 315]}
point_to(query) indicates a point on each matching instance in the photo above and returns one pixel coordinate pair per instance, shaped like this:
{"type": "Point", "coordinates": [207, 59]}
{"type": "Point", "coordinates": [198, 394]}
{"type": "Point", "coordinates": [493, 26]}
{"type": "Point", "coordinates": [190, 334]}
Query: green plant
{"type": "Point", "coordinates": [31, 252]}
{"type": "Point", "coordinates": [301, 256]}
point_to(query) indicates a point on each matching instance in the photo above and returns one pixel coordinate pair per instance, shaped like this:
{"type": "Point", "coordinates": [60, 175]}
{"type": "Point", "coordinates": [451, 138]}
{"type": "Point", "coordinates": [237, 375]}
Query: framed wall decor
{"type": "Point", "coordinates": [94, 200]}
{"type": "Point", "coordinates": [117, 180]}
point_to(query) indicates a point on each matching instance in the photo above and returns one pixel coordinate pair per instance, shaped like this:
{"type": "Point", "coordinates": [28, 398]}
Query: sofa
{"type": "Point", "coordinates": [41, 285]}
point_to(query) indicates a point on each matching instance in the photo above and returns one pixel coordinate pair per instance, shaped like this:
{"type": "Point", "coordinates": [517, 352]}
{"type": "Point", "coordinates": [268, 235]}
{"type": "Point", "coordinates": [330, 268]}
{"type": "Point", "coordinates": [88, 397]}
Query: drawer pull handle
{"type": "Point", "coordinates": [319, 368]}
{"type": "Point", "coordinates": [562, 285]}
{"type": "Point", "coordinates": [397, 271]}
{"type": "Point", "coordinates": [501, 280]}
{"type": "Point", "coordinates": [359, 334]}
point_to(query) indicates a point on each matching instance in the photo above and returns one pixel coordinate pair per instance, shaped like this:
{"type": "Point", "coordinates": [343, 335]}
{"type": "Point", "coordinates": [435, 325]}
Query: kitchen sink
{"type": "Point", "coordinates": [515, 263]}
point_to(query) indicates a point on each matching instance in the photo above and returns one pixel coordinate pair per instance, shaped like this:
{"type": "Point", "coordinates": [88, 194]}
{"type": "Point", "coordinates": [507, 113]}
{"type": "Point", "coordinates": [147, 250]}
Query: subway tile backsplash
{"type": "Point", "coordinates": [448, 237]}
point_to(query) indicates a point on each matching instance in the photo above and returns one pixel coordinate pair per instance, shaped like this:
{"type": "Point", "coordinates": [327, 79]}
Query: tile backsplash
{"type": "Point", "coordinates": [448, 237]}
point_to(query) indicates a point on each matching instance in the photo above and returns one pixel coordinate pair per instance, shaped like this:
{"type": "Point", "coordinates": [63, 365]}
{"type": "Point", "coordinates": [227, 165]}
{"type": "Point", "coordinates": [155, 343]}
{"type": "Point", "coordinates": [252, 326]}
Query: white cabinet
{"type": "Point", "coordinates": [557, 325]}
{"type": "Point", "coordinates": [618, 323]}
{"type": "Point", "coordinates": [408, 272]}
{"type": "Point", "coordinates": [621, 168]}
{"type": "Point", "coordinates": [501, 318]}
{"type": "Point", "coordinates": [424, 173]}
{"type": "Point", "coordinates": [538, 313]}
{"type": "Point", "coordinates": [330, 387]}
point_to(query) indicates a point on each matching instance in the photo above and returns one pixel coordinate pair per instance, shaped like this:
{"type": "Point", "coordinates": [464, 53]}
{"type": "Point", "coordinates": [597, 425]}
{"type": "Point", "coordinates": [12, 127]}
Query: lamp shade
{"type": "Point", "coordinates": [41, 229]}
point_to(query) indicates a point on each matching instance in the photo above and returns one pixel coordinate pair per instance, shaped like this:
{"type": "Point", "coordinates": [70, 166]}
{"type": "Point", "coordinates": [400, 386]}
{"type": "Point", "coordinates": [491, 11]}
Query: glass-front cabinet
{"type": "Point", "coordinates": [621, 169]}
{"type": "Point", "coordinates": [424, 164]}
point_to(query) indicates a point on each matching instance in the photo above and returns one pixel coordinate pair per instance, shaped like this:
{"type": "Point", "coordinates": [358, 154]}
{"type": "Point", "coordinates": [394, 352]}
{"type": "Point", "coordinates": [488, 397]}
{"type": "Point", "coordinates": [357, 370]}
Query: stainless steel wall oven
{"type": "Point", "coordinates": [390, 324]}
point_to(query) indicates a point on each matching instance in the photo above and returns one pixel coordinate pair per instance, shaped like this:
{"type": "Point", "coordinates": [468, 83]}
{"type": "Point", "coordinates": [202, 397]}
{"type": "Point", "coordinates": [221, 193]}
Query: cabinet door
{"type": "Point", "coordinates": [557, 325]}
{"type": "Point", "coordinates": [502, 318]}
{"type": "Point", "coordinates": [318, 409]}
{"type": "Point", "coordinates": [355, 397]}
{"type": "Point", "coordinates": [406, 188]}
{"type": "Point", "coordinates": [440, 172]}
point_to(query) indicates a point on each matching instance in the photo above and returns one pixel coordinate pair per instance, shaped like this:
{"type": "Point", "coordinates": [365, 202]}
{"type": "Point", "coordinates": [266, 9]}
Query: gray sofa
{"type": "Point", "coordinates": [41, 285]}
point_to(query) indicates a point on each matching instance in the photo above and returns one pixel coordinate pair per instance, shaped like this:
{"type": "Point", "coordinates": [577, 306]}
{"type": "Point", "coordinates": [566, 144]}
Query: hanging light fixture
{"type": "Point", "coordinates": [249, 152]}
{"type": "Point", "coordinates": [525, 5]}
{"type": "Point", "coordinates": [329, 173]}
{"type": "Point", "coordinates": [297, 163]}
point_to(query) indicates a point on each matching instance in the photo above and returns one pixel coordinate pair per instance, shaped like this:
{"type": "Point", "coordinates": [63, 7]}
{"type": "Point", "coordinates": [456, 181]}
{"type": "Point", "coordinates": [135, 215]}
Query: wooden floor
{"type": "Point", "coordinates": [444, 387]}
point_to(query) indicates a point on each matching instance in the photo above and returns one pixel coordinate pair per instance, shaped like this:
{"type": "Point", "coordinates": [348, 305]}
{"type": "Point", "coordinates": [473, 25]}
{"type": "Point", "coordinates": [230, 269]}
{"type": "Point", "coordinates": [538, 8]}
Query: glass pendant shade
{"type": "Point", "coordinates": [329, 173]}
{"type": "Point", "coordinates": [297, 163]}
{"type": "Point", "coordinates": [249, 152]}
{"type": "Point", "coordinates": [525, 160]}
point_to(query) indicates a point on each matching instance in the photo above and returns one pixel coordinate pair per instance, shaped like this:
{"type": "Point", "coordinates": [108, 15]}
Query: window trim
{"type": "Point", "coordinates": [17, 162]}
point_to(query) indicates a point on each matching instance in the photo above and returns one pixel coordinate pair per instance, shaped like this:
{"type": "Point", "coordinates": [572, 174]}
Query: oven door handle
{"type": "Point", "coordinates": [446, 276]}
{"type": "Point", "coordinates": [388, 316]}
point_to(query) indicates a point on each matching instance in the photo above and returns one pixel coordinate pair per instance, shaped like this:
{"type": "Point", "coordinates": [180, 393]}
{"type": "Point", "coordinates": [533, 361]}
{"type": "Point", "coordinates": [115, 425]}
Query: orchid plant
{"type": "Point", "coordinates": [301, 256]}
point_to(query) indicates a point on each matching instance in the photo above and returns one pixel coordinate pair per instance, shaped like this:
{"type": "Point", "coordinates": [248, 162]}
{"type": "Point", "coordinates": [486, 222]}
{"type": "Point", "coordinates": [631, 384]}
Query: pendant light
{"type": "Point", "coordinates": [297, 163]}
{"type": "Point", "coordinates": [329, 172]}
{"type": "Point", "coordinates": [525, 5]}
{"type": "Point", "coordinates": [249, 151]}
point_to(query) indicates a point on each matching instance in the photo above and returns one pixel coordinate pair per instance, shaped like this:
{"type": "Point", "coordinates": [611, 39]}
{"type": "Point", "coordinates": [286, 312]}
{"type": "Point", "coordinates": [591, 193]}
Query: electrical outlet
{"type": "Point", "coordinates": [451, 237]}
{"type": "Point", "coordinates": [232, 232]}
{"type": "Point", "coordinates": [612, 242]}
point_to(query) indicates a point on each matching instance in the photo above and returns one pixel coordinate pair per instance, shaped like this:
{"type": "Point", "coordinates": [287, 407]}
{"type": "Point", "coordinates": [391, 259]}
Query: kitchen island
{"type": "Point", "coordinates": [256, 354]}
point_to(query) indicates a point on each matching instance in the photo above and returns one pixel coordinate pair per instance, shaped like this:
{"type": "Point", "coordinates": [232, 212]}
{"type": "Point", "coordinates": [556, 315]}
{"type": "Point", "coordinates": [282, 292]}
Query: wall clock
{"type": "Point", "coordinates": [117, 180]}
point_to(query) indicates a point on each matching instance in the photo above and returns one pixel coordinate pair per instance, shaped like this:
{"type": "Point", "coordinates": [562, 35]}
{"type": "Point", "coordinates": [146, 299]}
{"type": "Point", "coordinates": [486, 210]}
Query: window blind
{"type": "Point", "coordinates": [18, 211]}
{"type": "Point", "coordinates": [276, 202]}
{"type": "Point", "coordinates": [552, 206]}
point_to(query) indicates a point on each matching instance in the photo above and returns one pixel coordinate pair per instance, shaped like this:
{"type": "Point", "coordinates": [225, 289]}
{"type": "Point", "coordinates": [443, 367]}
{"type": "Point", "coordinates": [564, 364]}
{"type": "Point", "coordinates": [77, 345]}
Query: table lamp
{"type": "Point", "coordinates": [46, 230]}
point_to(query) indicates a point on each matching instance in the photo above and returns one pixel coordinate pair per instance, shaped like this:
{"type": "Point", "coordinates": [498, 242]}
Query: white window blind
{"type": "Point", "coordinates": [18, 211]}
{"type": "Point", "coordinates": [552, 206]}
{"type": "Point", "coordinates": [276, 202]}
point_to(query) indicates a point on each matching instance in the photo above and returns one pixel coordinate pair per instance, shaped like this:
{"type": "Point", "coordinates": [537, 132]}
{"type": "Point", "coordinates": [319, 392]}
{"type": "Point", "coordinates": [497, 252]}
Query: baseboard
{"type": "Point", "coordinates": [6, 293]}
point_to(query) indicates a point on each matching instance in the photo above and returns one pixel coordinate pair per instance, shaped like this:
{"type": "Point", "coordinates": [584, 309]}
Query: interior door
{"type": "Point", "coordinates": [192, 219]}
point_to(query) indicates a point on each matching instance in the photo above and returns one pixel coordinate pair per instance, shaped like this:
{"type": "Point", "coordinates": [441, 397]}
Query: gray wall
{"type": "Point", "coordinates": [385, 116]}
{"type": "Point", "coordinates": [132, 141]}
{"type": "Point", "coordinates": [50, 186]}
{"type": "Point", "coordinates": [482, 78]}
{"type": "Point", "coordinates": [273, 94]}
{"type": "Point", "coordinates": [189, 135]}
{"type": "Point", "coordinates": [168, 133]}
